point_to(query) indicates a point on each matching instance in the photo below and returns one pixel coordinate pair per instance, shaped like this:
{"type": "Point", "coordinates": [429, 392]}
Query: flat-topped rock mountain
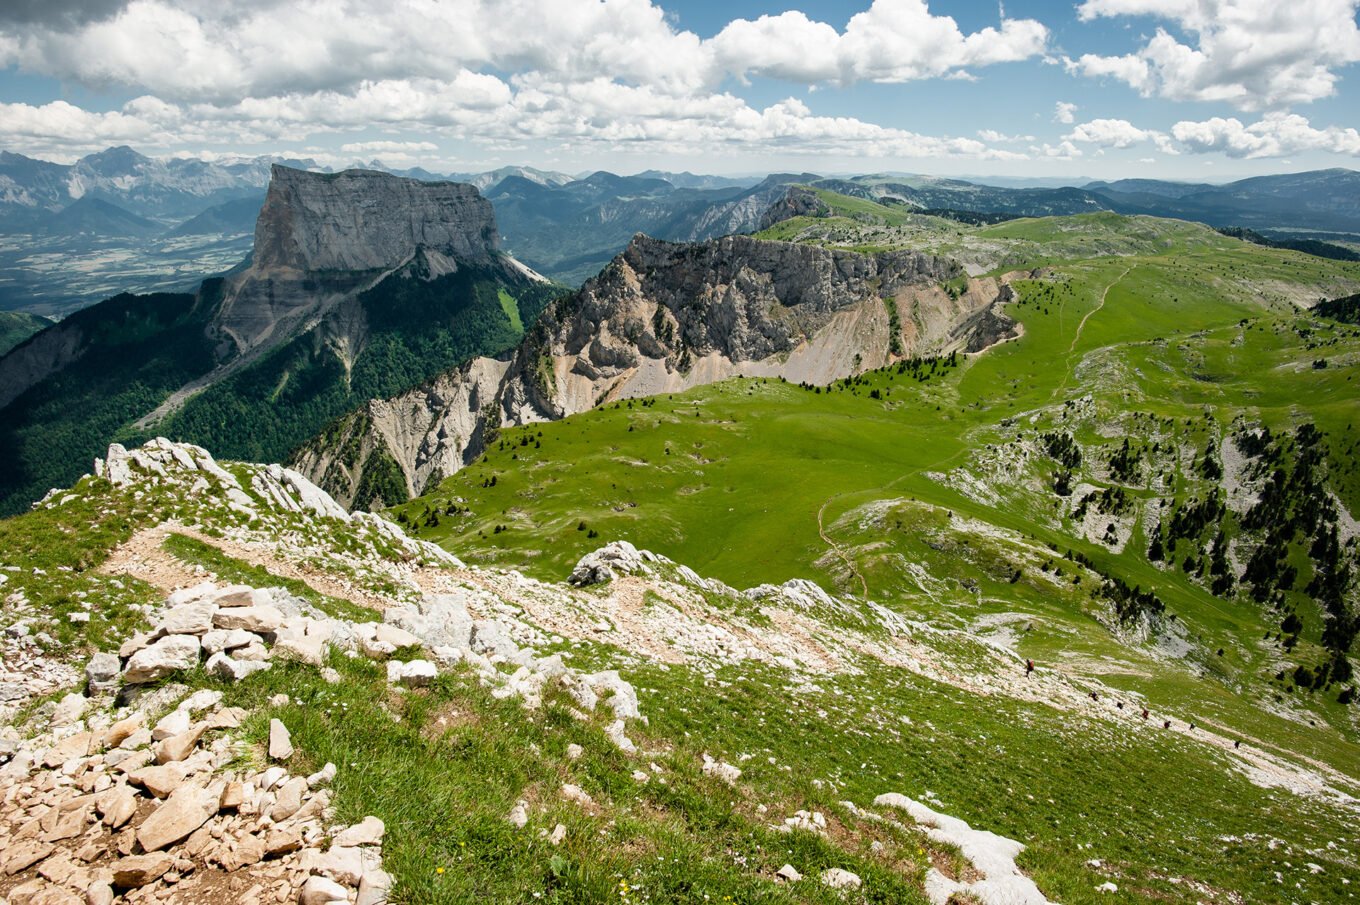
{"type": "Point", "coordinates": [366, 220]}
{"type": "Point", "coordinates": [321, 237]}
{"type": "Point", "coordinates": [361, 284]}
{"type": "Point", "coordinates": [664, 317]}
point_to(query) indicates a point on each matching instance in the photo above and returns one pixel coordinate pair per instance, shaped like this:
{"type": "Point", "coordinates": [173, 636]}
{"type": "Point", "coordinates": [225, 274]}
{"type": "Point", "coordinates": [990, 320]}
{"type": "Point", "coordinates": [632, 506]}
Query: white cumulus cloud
{"type": "Point", "coordinates": [1251, 54]}
{"type": "Point", "coordinates": [1274, 135]}
{"type": "Point", "coordinates": [1118, 133]}
{"type": "Point", "coordinates": [491, 72]}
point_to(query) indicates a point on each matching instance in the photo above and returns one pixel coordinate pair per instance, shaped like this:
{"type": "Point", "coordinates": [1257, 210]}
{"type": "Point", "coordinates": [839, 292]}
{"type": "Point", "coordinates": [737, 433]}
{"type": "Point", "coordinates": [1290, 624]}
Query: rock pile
{"type": "Point", "coordinates": [617, 557]}
{"type": "Point", "coordinates": [443, 625]}
{"type": "Point", "coordinates": [236, 631]}
{"type": "Point", "coordinates": [105, 807]}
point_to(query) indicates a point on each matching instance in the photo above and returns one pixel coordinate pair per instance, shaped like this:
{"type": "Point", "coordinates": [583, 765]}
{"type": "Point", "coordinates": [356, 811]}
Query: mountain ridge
{"type": "Point", "coordinates": [664, 317]}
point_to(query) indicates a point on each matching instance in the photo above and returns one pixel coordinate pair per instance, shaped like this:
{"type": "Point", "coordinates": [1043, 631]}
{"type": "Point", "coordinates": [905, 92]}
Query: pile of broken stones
{"type": "Point", "coordinates": [103, 805]}
{"type": "Point", "coordinates": [238, 630]}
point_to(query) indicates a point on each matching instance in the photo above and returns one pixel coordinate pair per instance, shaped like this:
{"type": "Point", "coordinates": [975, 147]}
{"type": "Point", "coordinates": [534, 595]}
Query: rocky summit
{"type": "Point", "coordinates": [321, 236]}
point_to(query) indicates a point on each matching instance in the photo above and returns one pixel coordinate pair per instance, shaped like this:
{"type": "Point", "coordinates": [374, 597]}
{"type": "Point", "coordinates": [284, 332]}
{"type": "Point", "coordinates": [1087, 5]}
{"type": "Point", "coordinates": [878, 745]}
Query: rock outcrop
{"type": "Point", "coordinates": [798, 201]}
{"type": "Point", "coordinates": [664, 317]}
{"type": "Point", "coordinates": [321, 237]}
{"type": "Point", "coordinates": [366, 220]}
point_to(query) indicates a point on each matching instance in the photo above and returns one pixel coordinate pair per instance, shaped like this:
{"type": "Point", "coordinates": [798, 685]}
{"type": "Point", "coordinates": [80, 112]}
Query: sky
{"type": "Point", "coordinates": [1204, 90]}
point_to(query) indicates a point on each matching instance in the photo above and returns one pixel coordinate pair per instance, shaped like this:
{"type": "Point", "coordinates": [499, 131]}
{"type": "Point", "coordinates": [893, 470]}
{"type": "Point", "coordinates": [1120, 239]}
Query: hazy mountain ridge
{"type": "Point", "coordinates": [564, 226]}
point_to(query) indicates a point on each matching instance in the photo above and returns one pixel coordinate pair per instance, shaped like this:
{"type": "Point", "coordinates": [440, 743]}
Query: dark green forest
{"type": "Point", "coordinates": [142, 348]}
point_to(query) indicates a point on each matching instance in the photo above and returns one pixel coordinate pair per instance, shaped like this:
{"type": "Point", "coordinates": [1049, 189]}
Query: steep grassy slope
{"type": "Point", "coordinates": [17, 326]}
{"type": "Point", "coordinates": [944, 491]}
{"type": "Point", "coordinates": [1097, 795]}
{"type": "Point", "coordinates": [140, 349]}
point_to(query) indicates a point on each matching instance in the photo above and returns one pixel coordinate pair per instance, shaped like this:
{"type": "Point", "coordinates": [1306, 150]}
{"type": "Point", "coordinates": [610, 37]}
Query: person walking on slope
{"type": "Point", "coordinates": [1029, 668]}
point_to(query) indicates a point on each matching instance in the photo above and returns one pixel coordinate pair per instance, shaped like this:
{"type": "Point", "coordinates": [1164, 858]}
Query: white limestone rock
{"type": "Point", "coordinates": [165, 656]}
{"type": "Point", "coordinates": [412, 673]}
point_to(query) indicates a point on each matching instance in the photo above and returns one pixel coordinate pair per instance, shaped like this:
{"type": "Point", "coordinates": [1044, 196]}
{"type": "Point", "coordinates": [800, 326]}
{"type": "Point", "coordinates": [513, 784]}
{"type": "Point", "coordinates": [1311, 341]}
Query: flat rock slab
{"type": "Point", "coordinates": [187, 809]}
{"type": "Point", "coordinates": [170, 654]}
{"type": "Point", "coordinates": [280, 741]}
{"type": "Point", "coordinates": [261, 620]}
{"type": "Point", "coordinates": [369, 831]}
{"type": "Point", "coordinates": [139, 870]}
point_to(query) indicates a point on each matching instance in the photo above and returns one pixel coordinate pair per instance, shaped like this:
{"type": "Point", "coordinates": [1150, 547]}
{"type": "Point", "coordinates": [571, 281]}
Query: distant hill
{"type": "Point", "coordinates": [1308, 246]}
{"type": "Point", "coordinates": [570, 231]}
{"type": "Point", "coordinates": [92, 216]}
{"type": "Point", "coordinates": [17, 326]}
{"type": "Point", "coordinates": [231, 217]}
{"type": "Point", "coordinates": [1315, 200]}
{"type": "Point", "coordinates": [688, 180]}
{"type": "Point", "coordinates": [1158, 187]}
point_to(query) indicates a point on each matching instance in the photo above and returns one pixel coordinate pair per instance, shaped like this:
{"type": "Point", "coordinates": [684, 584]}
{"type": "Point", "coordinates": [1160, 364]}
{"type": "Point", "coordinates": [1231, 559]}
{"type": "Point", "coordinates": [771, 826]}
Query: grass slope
{"type": "Point", "coordinates": [881, 486]}
{"type": "Point", "coordinates": [17, 326]}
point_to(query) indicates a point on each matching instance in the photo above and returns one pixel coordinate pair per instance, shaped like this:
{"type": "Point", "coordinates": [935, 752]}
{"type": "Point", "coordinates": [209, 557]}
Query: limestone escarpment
{"type": "Point", "coordinates": [322, 237]}
{"type": "Point", "coordinates": [664, 317]}
{"type": "Point", "coordinates": [366, 220]}
{"type": "Point", "coordinates": [322, 240]}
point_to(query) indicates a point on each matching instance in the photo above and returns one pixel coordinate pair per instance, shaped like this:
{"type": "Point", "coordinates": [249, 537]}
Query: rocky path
{"type": "Point", "coordinates": [1076, 338]}
{"type": "Point", "coordinates": [144, 557]}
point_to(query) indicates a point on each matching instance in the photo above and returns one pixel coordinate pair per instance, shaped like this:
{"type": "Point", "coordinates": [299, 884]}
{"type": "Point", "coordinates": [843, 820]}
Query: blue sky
{"type": "Point", "coordinates": [1187, 89]}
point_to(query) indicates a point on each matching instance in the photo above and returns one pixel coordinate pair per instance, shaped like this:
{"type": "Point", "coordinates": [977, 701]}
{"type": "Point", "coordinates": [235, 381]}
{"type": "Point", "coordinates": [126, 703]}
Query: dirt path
{"type": "Point", "coordinates": [144, 557]}
{"type": "Point", "coordinates": [836, 548]}
{"type": "Point", "coordinates": [1076, 338]}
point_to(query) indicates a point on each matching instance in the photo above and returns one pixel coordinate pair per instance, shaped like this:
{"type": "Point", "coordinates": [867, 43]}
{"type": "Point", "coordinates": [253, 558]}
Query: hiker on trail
{"type": "Point", "coordinates": [1192, 727]}
{"type": "Point", "coordinates": [1095, 697]}
{"type": "Point", "coordinates": [1119, 704]}
{"type": "Point", "coordinates": [1166, 724]}
{"type": "Point", "coordinates": [1029, 668]}
{"type": "Point", "coordinates": [1145, 713]}
{"type": "Point", "coordinates": [1237, 743]}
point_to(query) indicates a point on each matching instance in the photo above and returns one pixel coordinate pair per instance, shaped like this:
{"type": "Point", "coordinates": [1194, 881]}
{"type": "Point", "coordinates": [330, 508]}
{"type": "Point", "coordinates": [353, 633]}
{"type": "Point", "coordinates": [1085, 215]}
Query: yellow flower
{"type": "Point", "coordinates": [439, 870]}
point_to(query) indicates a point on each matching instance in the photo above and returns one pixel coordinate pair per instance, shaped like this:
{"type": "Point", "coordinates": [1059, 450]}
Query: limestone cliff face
{"type": "Point", "coordinates": [798, 201]}
{"type": "Point", "coordinates": [363, 220]}
{"type": "Point", "coordinates": [664, 317]}
{"type": "Point", "coordinates": [321, 237]}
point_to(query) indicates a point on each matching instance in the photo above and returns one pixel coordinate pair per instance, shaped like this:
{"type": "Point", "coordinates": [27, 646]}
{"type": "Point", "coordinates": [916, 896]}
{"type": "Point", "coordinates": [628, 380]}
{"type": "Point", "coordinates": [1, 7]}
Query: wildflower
{"type": "Point", "coordinates": [439, 870]}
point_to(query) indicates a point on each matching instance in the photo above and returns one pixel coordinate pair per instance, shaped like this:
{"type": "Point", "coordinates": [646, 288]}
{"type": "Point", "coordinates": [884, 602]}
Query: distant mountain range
{"type": "Point", "coordinates": [162, 216]}
{"type": "Point", "coordinates": [165, 190]}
